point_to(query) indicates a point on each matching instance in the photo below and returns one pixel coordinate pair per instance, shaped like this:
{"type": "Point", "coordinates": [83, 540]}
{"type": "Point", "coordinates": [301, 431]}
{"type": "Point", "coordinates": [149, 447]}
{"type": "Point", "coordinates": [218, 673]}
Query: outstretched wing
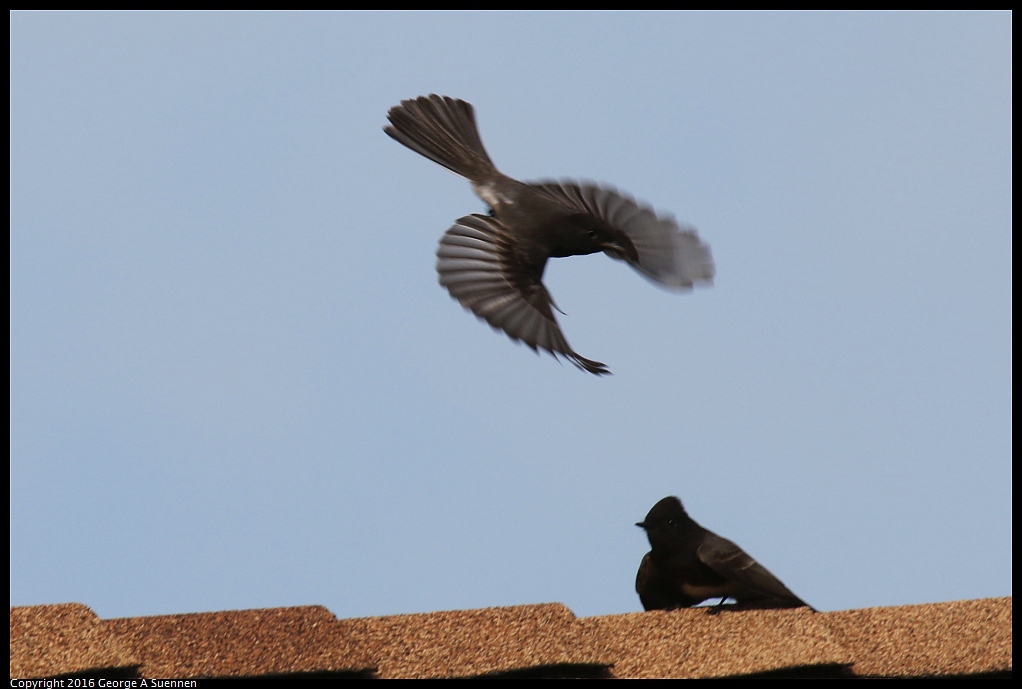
{"type": "Point", "coordinates": [730, 561]}
{"type": "Point", "coordinates": [670, 255]}
{"type": "Point", "coordinates": [480, 267]}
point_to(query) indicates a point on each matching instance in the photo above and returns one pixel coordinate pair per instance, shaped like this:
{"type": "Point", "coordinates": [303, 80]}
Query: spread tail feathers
{"type": "Point", "coordinates": [444, 130]}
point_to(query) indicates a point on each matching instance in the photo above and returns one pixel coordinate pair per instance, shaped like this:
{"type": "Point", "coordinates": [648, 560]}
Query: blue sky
{"type": "Point", "coordinates": [236, 383]}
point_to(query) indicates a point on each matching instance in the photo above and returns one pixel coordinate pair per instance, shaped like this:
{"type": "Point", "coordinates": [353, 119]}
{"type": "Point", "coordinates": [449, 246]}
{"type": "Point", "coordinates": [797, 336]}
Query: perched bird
{"type": "Point", "coordinates": [493, 264]}
{"type": "Point", "coordinates": [688, 564]}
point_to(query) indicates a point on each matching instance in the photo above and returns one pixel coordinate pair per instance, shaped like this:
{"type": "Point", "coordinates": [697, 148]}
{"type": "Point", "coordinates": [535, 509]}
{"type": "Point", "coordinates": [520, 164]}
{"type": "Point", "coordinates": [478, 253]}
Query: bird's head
{"type": "Point", "coordinates": [667, 516]}
{"type": "Point", "coordinates": [589, 235]}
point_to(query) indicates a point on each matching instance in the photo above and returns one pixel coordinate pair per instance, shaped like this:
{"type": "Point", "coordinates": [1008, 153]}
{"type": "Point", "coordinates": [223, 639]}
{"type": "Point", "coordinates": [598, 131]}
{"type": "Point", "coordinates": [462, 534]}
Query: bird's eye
{"type": "Point", "coordinates": [591, 232]}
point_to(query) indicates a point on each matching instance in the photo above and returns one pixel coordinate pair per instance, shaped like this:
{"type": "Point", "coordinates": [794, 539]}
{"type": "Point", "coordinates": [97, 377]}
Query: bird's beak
{"type": "Point", "coordinates": [613, 249]}
{"type": "Point", "coordinates": [641, 525]}
{"type": "Point", "coordinates": [620, 250]}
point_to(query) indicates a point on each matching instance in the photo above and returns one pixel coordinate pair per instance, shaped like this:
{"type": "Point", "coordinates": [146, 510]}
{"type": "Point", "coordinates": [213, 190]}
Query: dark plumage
{"type": "Point", "coordinates": [493, 264]}
{"type": "Point", "coordinates": [688, 564]}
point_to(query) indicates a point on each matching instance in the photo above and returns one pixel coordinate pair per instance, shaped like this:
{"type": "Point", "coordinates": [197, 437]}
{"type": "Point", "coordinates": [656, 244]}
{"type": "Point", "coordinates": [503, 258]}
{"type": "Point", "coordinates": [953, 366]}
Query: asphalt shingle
{"type": "Point", "coordinates": [245, 643]}
{"type": "Point", "coordinates": [64, 639]}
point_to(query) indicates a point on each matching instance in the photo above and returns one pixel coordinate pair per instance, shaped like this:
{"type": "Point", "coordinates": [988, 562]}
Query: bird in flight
{"type": "Point", "coordinates": [493, 264]}
{"type": "Point", "coordinates": [689, 564]}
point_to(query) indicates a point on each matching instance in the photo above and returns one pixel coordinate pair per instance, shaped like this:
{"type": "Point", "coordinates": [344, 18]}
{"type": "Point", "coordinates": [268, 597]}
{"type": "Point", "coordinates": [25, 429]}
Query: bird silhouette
{"type": "Point", "coordinates": [493, 264]}
{"type": "Point", "coordinates": [689, 564]}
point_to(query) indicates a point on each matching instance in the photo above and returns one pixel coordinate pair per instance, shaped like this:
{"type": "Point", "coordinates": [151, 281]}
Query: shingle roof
{"type": "Point", "coordinates": [541, 639]}
{"type": "Point", "coordinates": [940, 639]}
{"type": "Point", "coordinates": [244, 643]}
{"type": "Point", "coordinates": [965, 637]}
{"type": "Point", "coordinates": [67, 639]}
{"type": "Point", "coordinates": [705, 642]}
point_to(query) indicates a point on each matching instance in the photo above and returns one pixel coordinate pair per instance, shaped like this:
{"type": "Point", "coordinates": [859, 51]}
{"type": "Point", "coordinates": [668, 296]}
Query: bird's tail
{"type": "Point", "coordinates": [444, 130]}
